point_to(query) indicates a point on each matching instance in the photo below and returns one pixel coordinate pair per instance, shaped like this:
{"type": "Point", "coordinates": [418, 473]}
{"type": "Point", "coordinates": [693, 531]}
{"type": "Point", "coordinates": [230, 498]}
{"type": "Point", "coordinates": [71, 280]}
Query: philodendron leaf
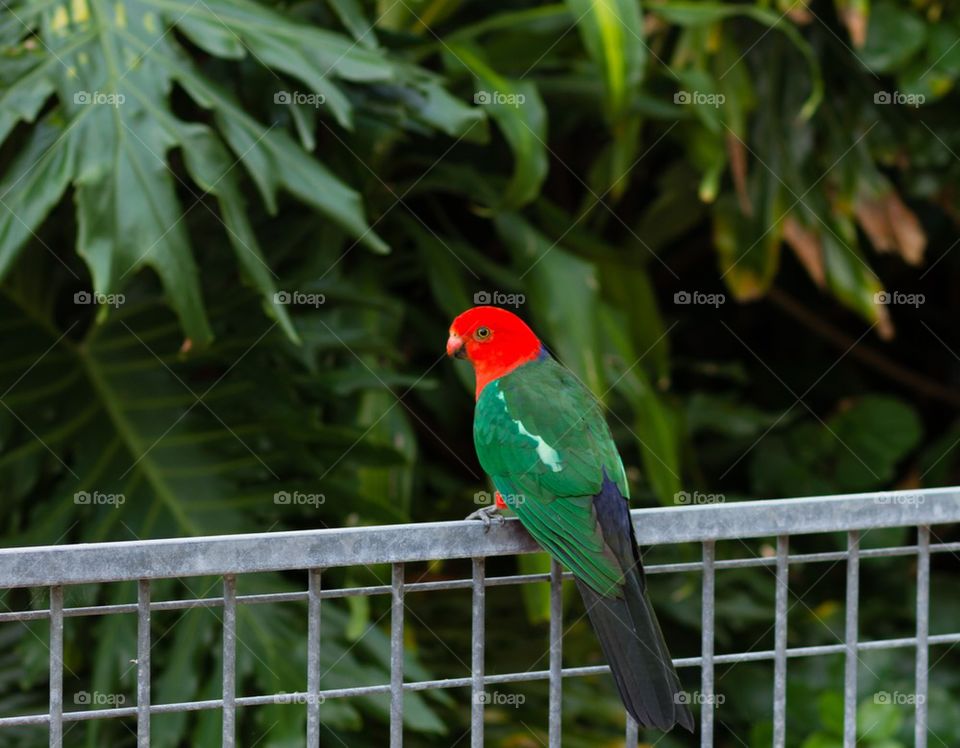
{"type": "Point", "coordinates": [312, 55]}
{"type": "Point", "coordinates": [111, 67]}
{"type": "Point", "coordinates": [210, 166]}
{"type": "Point", "coordinates": [33, 184]}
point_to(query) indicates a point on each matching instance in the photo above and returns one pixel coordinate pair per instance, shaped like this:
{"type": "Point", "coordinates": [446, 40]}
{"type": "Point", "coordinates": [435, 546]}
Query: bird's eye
{"type": "Point", "coordinates": [482, 333]}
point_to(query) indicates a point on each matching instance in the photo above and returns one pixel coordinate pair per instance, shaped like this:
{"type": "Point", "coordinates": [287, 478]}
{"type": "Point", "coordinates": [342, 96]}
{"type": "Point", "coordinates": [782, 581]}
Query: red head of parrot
{"type": "Point", "coordinates": [494, 340]}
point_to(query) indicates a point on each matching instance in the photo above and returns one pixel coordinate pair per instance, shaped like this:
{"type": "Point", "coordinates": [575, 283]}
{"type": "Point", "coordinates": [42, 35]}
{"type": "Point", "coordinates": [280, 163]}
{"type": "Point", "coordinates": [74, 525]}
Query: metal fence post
{"type": "Point", "coordinates": [56, 667]}
{"type": "Point", "coordinates": [313, 658]}
{"type": "Point", "coordinates": [923, 635]}
{"type": "Point", "coordinates": [707, 697]}
{"type": "Point", "coordinates": [477, 646]}
{"type": "Point", "coordinates": [396, 659]}
{"type": "Point", "coordinates": [143, 663]}
{"type": "Point", "coordinates": [780, 645]}
{"type": "Point", "coordinates": [229, 661]}
{"type": "Point", "coordinates": [556, 653]}
{"type": "Point", "coordinates": [851, 638]}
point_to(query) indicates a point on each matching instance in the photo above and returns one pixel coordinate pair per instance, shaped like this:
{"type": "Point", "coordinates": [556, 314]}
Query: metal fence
{"type": "Point", "coordinates": [55, 567]}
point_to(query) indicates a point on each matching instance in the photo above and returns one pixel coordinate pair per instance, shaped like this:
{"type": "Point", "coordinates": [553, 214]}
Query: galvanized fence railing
{"type": "Point", "coordinates": [56, 567]}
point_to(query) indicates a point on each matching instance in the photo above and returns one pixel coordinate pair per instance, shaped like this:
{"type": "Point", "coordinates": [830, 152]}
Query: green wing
{"type": "Point", "coordinates": [542, 438]}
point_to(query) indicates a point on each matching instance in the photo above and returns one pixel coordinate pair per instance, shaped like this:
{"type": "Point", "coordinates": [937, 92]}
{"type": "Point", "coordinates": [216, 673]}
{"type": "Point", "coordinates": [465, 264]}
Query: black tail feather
{"type": "Point", "coordinates": [628, 630]}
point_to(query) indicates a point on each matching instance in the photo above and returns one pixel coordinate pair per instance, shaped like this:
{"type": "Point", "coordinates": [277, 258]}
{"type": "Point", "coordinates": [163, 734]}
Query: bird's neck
{"type": "Point", "coordinates": [495, 367]}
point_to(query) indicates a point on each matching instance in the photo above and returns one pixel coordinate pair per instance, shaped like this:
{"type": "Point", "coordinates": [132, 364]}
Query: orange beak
{"type": "Point", "coordinates": [455, 347]}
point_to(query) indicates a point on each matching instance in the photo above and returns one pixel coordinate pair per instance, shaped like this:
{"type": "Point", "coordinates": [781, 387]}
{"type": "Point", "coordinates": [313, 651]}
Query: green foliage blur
{"type": "Point", "coordinates": [232, 237]}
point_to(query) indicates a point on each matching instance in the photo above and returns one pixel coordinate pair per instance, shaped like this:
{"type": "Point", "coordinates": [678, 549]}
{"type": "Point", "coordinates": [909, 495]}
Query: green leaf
{"type": "Point", "coordinates": [302, 50]}
{"type": "Point", "coordinates": [848, 275]}
{"type": "Point", "coordinates": [211, 168]}
{"type": "Point", "coordinates": [128, 214]}
{"type": "Point", "coordinates": [34, 184]}
{"type": "Point", "coordinates": [748, 246]}
{"type": "Point", "coordinates": [894, 34]}
{"type": "Point", "coordinates": [551, 20]}
{"type": "Point", "coordinates": [536, 597]}
{"type": "Point", "coordinates": [517, 109]}
{"type": "Point", "coordinates": [112, 68]}
{"type": "Point", "coordinates": [612, 32]}
{"type": "Point", "coordinates": [351, 15]}
{"type": "Point", "coordinates": [431, 103]}
{"type": "Point", "coordinates": [655, 427]}
{"type": "Point", "coordinates": [830, 708]}
{"type": "Point", "coordinates": [27, 82]}
{"type": "Point", "coordinates": [858, 449]}
{"type": "Point", "coordinates": [819, 740]}
{"type": "Point", "coordinates": [878, 721]}
{"type": "Point", "coordinates": [314, 56]}
{"type": "Point", "coordinates": [563, 294]}
{"type": "Point", "coordinates": [702, 13]}
{"type": "Point", "coordinates": [275, 161]}
{"type": "Point", "coordinates": [722, 415]}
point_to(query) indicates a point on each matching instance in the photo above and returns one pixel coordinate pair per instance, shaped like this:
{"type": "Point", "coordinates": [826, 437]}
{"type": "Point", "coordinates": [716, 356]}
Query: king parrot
{"type": "Point", "coordinates": [542, 438]}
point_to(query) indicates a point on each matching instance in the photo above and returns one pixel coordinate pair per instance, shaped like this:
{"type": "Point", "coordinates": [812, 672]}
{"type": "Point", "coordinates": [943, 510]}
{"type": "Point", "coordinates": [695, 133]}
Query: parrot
{"type": "Point", "coordinates": [542, 438]}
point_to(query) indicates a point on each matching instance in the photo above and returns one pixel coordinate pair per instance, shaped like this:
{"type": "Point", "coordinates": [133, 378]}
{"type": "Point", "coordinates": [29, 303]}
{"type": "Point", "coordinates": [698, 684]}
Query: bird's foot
{"type": "Point", "coordinates": [486, 514]}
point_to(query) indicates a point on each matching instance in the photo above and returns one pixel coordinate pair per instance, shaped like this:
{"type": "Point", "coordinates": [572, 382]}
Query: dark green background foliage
{"type": "Point", "coordinates": [777, 164]}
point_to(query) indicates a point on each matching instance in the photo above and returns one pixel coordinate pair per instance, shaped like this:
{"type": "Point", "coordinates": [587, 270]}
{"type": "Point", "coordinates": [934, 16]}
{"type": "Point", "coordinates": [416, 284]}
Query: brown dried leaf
{"type": "Point", "coordinates": [797, 11]}
{"type": "Point", "coordinates": [884, 324]}
{"type": "Point", "coordinates": [737, 153]}
{"type": "Point", "coordinates": [807, 247]}
{"type": "Point", "coordinates": [910, 235]}
{"type": "Point", "coordinates": [853, 13]}
{"type": "Point", "coordinates": [891, 226]}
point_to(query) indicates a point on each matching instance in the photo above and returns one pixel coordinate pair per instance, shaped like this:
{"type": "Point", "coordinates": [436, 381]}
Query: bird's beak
{"type": "Point", "coordinates": [455, 347]}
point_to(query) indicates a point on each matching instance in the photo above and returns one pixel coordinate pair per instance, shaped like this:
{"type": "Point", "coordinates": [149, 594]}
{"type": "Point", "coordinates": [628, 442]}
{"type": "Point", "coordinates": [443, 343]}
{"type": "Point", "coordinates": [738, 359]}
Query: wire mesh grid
{"type": "Point", "coordinates": [57, 567]}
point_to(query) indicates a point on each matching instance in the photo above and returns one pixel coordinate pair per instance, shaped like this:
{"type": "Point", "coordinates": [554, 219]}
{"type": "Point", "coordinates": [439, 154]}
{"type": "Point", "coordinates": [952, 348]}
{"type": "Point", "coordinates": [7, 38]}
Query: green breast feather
{"type": "Point", "coordinates": [542, 438]}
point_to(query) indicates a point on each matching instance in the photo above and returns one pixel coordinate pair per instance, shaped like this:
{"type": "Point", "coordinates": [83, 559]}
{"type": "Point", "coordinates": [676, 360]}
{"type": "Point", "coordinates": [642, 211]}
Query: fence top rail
{"type": "Point", "coordinates": [81, 563]}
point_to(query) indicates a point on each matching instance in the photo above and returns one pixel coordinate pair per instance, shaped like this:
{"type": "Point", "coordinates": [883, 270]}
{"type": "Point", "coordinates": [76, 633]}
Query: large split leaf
{"type": "Point", "coordinates": [127, 439]}
{"type": "Point", "coordinates": [112, 67]}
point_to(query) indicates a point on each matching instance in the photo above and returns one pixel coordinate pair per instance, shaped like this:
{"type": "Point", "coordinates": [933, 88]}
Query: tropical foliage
{"type": "Point", "coordinates": [232, 235]}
